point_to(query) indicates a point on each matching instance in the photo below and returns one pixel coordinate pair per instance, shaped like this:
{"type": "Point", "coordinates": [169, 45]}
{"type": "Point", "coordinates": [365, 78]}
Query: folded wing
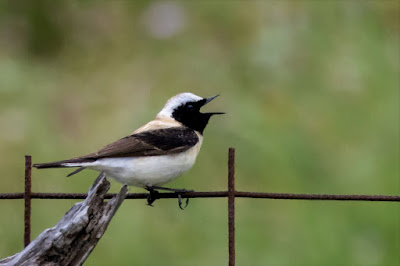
{"type": "Point", "coordinates": [150, 143]}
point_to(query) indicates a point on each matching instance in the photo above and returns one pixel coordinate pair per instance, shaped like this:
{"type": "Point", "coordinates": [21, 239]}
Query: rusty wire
{"type": "Point", "coordinates": [215, 194]}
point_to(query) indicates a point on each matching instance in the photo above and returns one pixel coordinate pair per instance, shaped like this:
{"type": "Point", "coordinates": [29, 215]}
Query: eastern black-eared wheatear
{"type": "Point", "coordinates": [154, 154]}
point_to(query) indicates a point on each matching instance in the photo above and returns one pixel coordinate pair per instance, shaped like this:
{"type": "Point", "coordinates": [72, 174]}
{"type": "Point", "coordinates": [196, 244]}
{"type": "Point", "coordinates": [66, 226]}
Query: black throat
{"type": "Point", "coordinates": [192, 119]}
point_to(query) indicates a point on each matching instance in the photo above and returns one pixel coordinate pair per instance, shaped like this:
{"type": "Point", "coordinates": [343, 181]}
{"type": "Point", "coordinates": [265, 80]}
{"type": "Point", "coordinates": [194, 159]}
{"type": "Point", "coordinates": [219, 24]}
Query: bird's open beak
{"type": "Point", "coordinates": [207, 100]}
{"type": "Point", "coordinates": [210, 99]}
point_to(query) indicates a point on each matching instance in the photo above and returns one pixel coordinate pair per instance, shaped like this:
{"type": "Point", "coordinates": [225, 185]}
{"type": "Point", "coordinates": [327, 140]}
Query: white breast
{"type": "Point", "coordinates": [148, 170]}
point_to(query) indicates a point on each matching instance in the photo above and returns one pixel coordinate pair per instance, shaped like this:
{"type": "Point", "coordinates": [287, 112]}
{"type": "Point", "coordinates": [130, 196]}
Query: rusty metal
{"type": "Point", "coordinates": [231, 205]}
{"type": "Point", "coordinates": [208, 194]}
{"type": "Point", "coordinates": [214, 194]}
{"type": "Point", "coordinates": [291, 196]}
{"type": "Point", "coordinates": [27, 199]}
{"type": "Point", "coordinates": [12, 196]}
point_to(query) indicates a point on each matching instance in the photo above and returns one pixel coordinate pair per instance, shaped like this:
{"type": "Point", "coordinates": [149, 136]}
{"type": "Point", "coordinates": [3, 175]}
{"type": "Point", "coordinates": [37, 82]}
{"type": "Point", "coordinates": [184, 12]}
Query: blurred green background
{"type": "Point", "coordinates": [311, 91]}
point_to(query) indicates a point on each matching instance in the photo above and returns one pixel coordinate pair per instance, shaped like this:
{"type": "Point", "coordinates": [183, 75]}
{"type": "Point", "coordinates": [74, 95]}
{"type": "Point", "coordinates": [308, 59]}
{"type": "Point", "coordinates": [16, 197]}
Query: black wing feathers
{"type": "Point", "coordinates": [169, 139]}
{"type": "Point", "coordinates": [150, 143]}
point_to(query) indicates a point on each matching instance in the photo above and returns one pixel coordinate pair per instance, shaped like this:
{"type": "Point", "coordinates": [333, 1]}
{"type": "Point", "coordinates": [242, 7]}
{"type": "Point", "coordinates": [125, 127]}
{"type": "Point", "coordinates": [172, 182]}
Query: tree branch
{"type": "Point", "coordinates": [75, 236]}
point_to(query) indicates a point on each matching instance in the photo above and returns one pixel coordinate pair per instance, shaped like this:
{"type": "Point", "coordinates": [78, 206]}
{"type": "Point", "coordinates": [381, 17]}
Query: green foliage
{"type": "Point", "coordinates": [311, 92]}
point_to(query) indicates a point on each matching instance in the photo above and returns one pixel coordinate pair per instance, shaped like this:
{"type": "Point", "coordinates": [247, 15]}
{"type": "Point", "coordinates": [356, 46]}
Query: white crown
{"type": "Point", "coordinates": [177, 101]}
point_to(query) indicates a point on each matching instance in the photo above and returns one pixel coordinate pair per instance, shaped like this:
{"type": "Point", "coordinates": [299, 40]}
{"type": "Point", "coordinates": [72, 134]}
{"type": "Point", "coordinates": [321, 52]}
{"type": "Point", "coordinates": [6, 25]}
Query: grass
{"type": "Point", "coordinates": [311, 92]}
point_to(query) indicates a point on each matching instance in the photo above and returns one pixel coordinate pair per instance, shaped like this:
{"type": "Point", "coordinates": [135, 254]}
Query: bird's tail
{"type": "Point", "coordinates": [65, 163]}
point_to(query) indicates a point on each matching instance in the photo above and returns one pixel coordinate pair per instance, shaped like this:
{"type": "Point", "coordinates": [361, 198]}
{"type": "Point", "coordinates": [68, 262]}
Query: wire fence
{"type": "Point", "coordinates": [231, 194]}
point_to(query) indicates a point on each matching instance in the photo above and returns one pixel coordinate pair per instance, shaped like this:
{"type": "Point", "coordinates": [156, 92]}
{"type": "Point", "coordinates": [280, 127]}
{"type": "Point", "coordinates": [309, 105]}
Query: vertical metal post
{"type": "Point", "coordinates": [231, 205]}
{"type": "Point", "coordinates": [27, 199]}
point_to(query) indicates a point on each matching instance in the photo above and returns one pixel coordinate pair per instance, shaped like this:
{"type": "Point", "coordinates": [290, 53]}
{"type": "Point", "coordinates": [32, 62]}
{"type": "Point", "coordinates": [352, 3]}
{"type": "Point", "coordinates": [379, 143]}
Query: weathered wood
{"type": "Point", "coordinates": [75, 236]}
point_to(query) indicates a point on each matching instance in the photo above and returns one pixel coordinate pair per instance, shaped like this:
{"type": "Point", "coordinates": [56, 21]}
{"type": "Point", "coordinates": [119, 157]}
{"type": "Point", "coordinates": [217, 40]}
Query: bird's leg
{"type": "Point", "coordinates": [153, 195]}
{"type": "Point", "coordinates": [178, 192]}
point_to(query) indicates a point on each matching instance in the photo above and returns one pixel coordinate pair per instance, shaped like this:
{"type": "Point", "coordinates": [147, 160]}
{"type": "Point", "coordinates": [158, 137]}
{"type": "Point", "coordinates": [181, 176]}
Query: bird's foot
{"type": "Point", "coordinates": [152, 197]}
{"type": "Point", "coordinates": [180, 201]}
{"type": "Point", "coordinates": [179, 193]}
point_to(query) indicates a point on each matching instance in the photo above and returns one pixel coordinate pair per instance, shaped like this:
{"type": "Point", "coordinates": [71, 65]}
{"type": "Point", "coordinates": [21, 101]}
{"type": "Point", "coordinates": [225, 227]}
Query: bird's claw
{"type": "Point", "coordinates": [180, 198]}
{"type": "Point", "coordinates": [153, 196]}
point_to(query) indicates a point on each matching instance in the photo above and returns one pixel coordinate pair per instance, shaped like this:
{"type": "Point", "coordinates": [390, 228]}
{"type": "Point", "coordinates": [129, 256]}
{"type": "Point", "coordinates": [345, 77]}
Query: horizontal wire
{"type": "Point", "coordinates": [214, 194]}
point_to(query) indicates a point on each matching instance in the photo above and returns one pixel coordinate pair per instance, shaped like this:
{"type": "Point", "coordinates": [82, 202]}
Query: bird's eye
{"type": "Point", "coordinates": [190, 107]}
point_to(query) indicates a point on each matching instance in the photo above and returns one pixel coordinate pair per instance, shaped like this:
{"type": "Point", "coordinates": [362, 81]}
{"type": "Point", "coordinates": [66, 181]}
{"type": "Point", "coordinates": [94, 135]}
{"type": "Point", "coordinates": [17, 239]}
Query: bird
{"type": "Point", "coordinates": [154, 154]}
